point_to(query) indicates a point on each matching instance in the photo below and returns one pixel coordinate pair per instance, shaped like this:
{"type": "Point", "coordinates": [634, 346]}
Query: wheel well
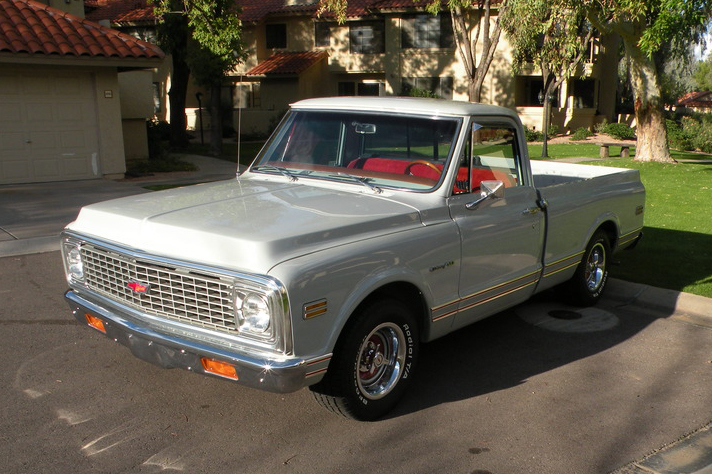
{"type": "Point", "coordinates": [610, 228]}
{"type": "Point", "coordinates": [407, 294]}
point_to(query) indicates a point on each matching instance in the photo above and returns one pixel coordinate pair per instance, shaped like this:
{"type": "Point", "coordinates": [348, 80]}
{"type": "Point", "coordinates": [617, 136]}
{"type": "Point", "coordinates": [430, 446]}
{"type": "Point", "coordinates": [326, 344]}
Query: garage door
{"type": "Point", "coordinates": [47, 127]}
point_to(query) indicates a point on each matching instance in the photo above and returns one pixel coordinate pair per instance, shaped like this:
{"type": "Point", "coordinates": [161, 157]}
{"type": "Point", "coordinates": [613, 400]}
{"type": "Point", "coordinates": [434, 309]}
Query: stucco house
{"type": "Point", "coordinates": [385, 47]}
{"type": "Point", "coordinates": [388, 47]}
{"type": "Point", "coordinates": [73, 99]}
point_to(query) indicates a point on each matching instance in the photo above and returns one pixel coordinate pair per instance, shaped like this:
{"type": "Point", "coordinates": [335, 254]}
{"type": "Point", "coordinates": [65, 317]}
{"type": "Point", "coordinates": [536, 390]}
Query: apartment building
{"type": "Point", "coordinates": [390, 47]}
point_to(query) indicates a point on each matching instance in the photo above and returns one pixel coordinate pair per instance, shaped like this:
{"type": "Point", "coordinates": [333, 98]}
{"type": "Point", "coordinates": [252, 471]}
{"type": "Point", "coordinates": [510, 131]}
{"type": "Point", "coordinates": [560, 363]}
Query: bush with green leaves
{"type": "Point", "coordinates": [600, 127]}
{"type": "Point", "coordinates": [678, 138]}
{"type": "Point", "coordinates": [581, 133]}
{"type": "Point", "coordinates": [416, 92]}
{"type": "Point", "coordinates": [621, 131]}
{"type": "Point", "coordinates": [533, 135]}
{"type": "Point", "coordinates": [689, 133]}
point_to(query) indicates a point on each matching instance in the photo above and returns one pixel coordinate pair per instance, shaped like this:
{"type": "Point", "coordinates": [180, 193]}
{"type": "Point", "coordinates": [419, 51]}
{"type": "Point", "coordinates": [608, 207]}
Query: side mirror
{"type": "Point", "coordinates": [488, 190]}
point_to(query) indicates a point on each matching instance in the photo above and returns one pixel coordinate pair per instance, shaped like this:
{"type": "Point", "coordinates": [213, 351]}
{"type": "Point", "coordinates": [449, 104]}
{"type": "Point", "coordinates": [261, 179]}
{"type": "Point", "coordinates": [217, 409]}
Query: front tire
{"type": "Point", "coordinates": [587, 285]}
{"type": "Point", "coordinates": [373, 362]}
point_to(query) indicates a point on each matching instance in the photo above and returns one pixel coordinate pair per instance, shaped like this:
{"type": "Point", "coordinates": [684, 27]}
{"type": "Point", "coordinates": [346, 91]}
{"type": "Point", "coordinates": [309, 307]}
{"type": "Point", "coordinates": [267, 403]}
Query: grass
{"type": "Point", "coordinates": [676, 250]}
{"type": "Point", "coordinates": [591, 150]}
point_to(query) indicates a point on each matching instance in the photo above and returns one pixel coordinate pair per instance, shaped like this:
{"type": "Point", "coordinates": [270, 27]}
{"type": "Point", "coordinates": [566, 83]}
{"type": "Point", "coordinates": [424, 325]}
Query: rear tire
{"type": "Point", "coordinates": [589, 281]}
{"type": "Point", "coordinates": [373, 363]}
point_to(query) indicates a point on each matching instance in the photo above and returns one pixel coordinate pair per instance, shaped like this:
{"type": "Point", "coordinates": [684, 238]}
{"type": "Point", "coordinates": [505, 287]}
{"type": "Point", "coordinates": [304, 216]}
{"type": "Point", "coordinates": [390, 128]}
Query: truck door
{"type": "Point", "coordinates": [501, 237]}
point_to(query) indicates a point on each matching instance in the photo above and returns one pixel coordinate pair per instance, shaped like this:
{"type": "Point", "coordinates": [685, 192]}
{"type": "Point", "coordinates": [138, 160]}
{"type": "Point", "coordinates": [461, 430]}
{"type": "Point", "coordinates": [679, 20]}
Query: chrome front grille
{"type": "Point", "coordinates": [171, 292]}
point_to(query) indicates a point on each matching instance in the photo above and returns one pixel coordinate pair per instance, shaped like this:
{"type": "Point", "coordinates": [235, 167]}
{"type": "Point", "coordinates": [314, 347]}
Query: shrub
{"type": "Point", "coordinates": [533, 135]}
{"type": "Point", "coordinates": [601, 126]}
{"type": "Point", "coordinates": [621, 131]}
{"type": "Point", "coordinates": [156, 134]}
{"type": "Point", "coordinates": [581, 133]}
{"type": "Point", "coordinates": [553, 130]}
{"type": "Point", "coordinates": [416, 92]}
{"type": "Point", "coordinates": [677, 137]}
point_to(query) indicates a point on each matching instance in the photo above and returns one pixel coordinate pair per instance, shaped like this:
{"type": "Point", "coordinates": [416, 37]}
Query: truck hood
{"type": "Point", "coordinates": [245, 225]}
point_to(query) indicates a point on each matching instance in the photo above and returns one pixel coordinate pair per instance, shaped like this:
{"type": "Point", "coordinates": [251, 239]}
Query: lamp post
{"type": "Point", "coordinates": [545, 100]}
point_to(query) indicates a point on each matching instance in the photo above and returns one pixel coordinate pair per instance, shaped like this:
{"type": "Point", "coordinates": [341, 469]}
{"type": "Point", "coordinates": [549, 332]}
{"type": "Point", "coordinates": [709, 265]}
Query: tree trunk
{"type": "Point", "coordinates": [216, 125]}
{"type": "Point", "coordinates": [652, 139]}
{"type": "Point", "coordinates": [179, 87]}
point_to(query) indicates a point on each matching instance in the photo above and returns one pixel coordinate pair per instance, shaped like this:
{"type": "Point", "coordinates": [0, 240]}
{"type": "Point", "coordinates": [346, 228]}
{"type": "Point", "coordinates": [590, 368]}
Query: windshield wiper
{"type": "Point", "coordinates": [279, 169]}
{"type": "Point", "coordinates": [358, 179]}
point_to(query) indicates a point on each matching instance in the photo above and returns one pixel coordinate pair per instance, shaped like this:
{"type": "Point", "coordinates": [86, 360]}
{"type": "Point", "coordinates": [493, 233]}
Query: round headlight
{"type": "Point", "coordinates": [74, 264]}
{"type": "Point", "coordinates": [255, 314]}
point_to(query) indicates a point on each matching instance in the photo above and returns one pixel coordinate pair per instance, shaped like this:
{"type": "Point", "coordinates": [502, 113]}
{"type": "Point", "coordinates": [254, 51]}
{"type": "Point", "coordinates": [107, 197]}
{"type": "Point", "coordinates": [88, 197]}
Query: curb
{"type": "Point", "coordinates": [14, 248]}
{"type": "Point", "coordinates": [691, 454]}
{"type": "Point", "coordinates": [694, 308]}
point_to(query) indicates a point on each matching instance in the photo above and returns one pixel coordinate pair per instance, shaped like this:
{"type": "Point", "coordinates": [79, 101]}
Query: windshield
{"type": "Point", "coordinates": [374, 150]}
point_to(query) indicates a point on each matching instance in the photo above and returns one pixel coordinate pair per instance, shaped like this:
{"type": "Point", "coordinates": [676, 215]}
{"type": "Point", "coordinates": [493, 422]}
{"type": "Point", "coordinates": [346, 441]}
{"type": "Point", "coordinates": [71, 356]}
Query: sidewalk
{"type": "Point", "coordinates": [33, 215]}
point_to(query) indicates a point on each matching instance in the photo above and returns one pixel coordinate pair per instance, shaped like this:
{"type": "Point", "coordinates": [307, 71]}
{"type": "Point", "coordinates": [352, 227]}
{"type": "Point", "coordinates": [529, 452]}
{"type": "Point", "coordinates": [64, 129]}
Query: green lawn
{"type": "Point", "coordinates": [676, 250]}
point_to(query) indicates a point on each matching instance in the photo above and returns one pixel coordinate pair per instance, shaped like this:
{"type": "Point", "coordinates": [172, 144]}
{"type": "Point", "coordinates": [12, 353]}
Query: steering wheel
{"type": "Point", "coordinates": [424, 163]}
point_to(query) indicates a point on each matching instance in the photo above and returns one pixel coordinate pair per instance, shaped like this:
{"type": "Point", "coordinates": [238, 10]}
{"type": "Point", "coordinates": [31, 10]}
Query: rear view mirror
{"type": "Point", "coordinates": [364, 128]}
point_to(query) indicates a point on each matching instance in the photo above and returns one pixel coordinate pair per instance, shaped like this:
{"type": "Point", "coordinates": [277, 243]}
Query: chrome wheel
{"type": "Point", "coordinates": [595, 267]}
{"type": "Point", "coordinates": [380, 361]}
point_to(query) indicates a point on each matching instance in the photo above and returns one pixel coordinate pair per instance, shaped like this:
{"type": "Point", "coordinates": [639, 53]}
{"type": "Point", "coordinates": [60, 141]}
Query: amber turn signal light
{"type": "Point", "coordinates": [217, 367]}
{"type": "Point", "coordinates": [95, 322]}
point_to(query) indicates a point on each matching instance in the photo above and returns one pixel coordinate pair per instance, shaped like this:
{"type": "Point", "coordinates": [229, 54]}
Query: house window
{"type": "Point", "coordinates": [528, 91]}
{"type": "Point", "coordinates": [322, 34]}
{"type": "Point", "coordinates": [584, 93]}
{"type": "Point", "coordinates": [276, 36]}
{"type": "Point", "coordinates": [361, 88]}
{"type": "Point", "coordinates": [439, 86]}
{"type": "Point", "coordinates": [427, 31]}
{"type": "Point", "coordinates": [367, 37]}
{"type": "Point", "coordinates": [157, 103]}
{"type": "Point", "coordinates": [246, 95]}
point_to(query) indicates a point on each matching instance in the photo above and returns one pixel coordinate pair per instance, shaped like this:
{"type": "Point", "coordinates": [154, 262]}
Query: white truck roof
{"type": "Point", "coordinates": [404, 104]}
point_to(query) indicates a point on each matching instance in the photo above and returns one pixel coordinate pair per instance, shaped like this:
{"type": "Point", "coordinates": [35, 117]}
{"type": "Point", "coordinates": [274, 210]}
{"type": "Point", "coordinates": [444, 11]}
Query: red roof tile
{"type": "Point", "coordinates": [258, 10]}
{"type": "Point", "coordinates": [27, 26]}
{"type": "Point", "coordinates": [696, 99]}
{"type": "Point", "coordinates": [139, 15]}
{"type": "Point", "coordinates": [98, 10]}
{"type": "Point", "coordinates": [287, 63]}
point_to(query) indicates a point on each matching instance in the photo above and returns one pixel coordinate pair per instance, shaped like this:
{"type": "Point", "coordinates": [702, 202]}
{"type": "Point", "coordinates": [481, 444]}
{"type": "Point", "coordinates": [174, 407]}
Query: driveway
{"type": "Point", "coordinates": [542, 388]}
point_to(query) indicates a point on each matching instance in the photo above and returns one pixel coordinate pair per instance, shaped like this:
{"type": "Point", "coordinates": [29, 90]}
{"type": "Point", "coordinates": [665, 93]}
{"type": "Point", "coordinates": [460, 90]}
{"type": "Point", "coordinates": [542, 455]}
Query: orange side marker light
{"type": "Point", "coordinates": [95, 322]}
{"type": "Point", "coordinates": [219, 368]}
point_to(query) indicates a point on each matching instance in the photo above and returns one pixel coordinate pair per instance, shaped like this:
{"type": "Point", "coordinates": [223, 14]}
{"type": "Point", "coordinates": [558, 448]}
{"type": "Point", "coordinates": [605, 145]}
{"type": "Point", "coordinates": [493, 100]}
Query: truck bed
{"type": "Point", "coordinates": [549, 173]}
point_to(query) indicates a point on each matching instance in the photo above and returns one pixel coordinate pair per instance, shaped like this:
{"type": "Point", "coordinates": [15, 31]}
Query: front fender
{"type": "Point", "coordinates": [339, 279]}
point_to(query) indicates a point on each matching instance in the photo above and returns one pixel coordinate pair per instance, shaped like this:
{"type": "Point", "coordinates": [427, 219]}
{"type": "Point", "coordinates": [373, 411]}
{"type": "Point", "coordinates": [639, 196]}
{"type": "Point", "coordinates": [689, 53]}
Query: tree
{"type": "Point", "coordinates": [555, 39]}
{"type": "Point", "coordinates": [205, 35]}
{"type": "Point", "coordinates": [173, 34]}
{"type": "Point", "coordinates": [466, 38]}
{"type": "Point", "coordinates": [480, 11]}
{"type": "Point", "coordinates": [703, 75]}
{"type": "Point", "coordinates": [645, 26]}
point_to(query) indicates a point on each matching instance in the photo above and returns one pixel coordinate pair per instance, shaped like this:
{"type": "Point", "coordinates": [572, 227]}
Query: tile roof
{"type": "Point", "coordinates": [258, 10]}
{"type": "Point", "coordinates": [287, 63]}
{"type": "Point", "coordinates": [139, 15]}
{"type": "Point", "coordinates": [97, 10]}
{"type": "Point", "coordinates": [696, 99]}
{"type": "Point", "coordinates": [27, 26]}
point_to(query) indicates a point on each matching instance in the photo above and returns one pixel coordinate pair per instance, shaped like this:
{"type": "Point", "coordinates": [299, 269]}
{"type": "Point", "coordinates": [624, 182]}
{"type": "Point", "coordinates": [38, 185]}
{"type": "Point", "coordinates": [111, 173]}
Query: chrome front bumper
{"type": "Point", "coordinates": [173, 351]}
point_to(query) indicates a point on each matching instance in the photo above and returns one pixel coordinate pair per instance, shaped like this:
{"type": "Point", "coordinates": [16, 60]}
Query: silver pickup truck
{"type": "Point", "coordinates": [364, 228]}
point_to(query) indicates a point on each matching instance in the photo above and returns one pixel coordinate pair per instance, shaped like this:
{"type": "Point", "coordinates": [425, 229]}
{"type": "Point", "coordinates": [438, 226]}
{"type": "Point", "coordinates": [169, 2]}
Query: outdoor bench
{"type": "Point", "coordinates": [604, 153]}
